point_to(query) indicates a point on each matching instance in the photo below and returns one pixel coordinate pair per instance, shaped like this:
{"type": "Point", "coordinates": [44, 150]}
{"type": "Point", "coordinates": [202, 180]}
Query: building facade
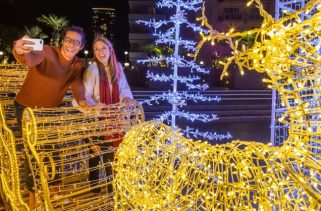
{"type": "Point", "coordinates": [140, 38]}
{"type": "Point", "coordinates": [103, 22]}
{"type": "Point", "coordinates": [139, 35]}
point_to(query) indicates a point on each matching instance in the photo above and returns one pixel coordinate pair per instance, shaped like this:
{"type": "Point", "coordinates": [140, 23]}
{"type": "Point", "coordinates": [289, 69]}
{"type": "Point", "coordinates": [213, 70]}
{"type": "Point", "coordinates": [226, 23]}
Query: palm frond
{"type": "Point", "coordinates": [55, 22]}
{"type": "Point", "coordinates": [35, 32]}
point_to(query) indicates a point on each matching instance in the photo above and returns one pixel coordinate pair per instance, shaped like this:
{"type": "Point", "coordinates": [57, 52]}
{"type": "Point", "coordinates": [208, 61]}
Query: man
{"type": "Point", "coordinates": [51, 72]}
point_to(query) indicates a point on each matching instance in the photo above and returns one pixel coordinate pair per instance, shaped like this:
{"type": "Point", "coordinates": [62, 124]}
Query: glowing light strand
{"type": "Point", "coordinates": [63, 132]}
{"type": "Point", "coordinates": [182, 96]}
{"type": "Point", "coordinates": [191, 132]}
{"type": "Point", "coordinates": [187, 80]}
{"type": "Point", "coordinates": [178, 61]}
{"type": "Point", "coordinates": [192, 116]}
{"type": "Point", "coordinates": [161, 170]}
{"type": "Point", "coordinates": [172, 37]}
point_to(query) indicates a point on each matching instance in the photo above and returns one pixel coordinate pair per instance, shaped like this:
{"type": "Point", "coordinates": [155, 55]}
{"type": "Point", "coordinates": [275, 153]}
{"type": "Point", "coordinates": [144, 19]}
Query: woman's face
{"type": "Point", "coordinates": [101, 52]}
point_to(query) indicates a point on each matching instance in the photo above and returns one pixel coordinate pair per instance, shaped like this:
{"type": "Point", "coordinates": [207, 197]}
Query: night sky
{"type": "Point", "coordinates": [22, 13]}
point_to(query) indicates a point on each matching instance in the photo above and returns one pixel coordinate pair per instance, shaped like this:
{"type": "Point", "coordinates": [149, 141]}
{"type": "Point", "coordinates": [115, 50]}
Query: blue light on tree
{"type": "Point", "coordinates": [167, 32]}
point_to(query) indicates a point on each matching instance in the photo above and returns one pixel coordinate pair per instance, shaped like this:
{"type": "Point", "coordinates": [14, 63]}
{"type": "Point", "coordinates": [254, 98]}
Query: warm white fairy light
{"type": "Point", "coordinates": [65, 132]}
{"type": "Point", "coordinates": [158, 169]}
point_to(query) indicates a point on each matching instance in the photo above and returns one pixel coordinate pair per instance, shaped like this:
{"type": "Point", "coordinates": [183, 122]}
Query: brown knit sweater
{"type": "Point", "coordinates": [49, 78]}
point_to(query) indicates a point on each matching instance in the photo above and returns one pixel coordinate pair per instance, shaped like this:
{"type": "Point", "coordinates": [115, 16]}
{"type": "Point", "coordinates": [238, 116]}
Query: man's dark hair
{"type": "Point", "coordinates": [76, 29]}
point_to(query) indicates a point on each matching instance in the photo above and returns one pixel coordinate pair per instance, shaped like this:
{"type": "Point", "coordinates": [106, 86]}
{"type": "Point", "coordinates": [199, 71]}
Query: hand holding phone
{"type": "Point", "coordinates": [37, 44]}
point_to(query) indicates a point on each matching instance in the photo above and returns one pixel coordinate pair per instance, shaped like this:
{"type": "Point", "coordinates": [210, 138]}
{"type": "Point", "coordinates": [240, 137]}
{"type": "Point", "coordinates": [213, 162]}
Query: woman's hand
{"type": "Point", "coordinates": [100, 105]}
{"type": "Point", "coordinates": [128, 102]}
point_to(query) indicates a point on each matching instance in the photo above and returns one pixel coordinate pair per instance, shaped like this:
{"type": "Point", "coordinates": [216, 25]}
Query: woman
{"type": "Point", "coordinates": [104, 79]}
{"type": "Point", "coordinates": [105, 83]}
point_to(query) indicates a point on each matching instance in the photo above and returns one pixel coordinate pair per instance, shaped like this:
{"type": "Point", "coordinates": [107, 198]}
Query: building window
{"type": "Point", "coordinates": [134, 47]}
{"type": "Point", "coordinates": [232, 14]}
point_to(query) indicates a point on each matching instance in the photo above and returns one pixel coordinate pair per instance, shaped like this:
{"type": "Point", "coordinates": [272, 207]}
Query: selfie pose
{"type": "Point", "coordinates": [52, 70]}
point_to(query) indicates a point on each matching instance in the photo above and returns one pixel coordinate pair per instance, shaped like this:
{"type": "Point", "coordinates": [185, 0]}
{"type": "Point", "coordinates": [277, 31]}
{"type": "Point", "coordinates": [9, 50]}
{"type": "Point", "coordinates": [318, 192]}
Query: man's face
{"type": "Point", "coordinates": [71, 45]}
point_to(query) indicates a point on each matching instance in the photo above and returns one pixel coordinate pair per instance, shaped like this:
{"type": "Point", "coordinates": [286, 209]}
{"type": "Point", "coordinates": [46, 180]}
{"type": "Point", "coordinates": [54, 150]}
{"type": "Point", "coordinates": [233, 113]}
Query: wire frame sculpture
{"type": "Point", "coordinates": [64, 146]}
{"type": "Point", "coordinates": [11, 79]}
{"type": "Point", "coordinates": [11, 161]}
{"type": "Point", "coordinates": [60, 145]}
{"type": "Point", "coordinates": [10, 180]}
{"type": "Point", "coordinates": [279, 130]}
{"type": "Point", "coordinates": [159, 169]}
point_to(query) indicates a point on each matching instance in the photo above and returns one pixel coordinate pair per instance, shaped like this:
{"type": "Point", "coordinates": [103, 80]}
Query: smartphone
{"type": "Point", "coordinates": [38, 44]}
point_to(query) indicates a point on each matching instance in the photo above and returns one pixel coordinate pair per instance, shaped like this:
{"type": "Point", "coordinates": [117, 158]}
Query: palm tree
{"type": "Point", "coordinates": [157, 50]}
{"type": "Point", "coordinates": [153, 49]}
{"type": "Point", "coordinates": [56, 23]}
{"type": "Point", "coordinates": [35, 32]}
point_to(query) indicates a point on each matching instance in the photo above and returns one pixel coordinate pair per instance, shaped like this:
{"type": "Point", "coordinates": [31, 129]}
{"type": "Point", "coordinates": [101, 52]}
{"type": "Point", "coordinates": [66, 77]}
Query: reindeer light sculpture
{"type": "Point", "coordinates": [159, 169]}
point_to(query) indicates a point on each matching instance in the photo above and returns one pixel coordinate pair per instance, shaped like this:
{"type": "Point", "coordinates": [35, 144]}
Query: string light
{"type": "Point", "coordinates": [58, 143]}
{"type": "Point", "coordinates": [168, 32]}
{"type": "Point", "coordinates": [159, 169]}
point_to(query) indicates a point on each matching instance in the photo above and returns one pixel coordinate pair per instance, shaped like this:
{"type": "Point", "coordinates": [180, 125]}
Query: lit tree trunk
{"type": "Point", "coordinates": [175, 94]}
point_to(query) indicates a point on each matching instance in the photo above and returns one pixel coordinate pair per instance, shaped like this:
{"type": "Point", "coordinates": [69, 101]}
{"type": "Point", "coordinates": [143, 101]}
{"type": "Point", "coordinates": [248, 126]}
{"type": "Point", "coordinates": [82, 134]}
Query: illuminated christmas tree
{"type": "Point", "coordinates": [168, 33]}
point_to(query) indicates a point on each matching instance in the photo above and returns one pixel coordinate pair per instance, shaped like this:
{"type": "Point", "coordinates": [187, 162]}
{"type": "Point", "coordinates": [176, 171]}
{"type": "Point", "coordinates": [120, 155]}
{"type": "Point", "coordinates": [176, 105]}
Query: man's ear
{"type": "Point", "coordinates": [82, 46]}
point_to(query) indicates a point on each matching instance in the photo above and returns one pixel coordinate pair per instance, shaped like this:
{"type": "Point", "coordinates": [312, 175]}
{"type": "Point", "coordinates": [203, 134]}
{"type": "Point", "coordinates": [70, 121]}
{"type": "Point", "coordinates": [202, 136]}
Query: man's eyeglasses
{"type": "Point", "coordinates": [71, 41]}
